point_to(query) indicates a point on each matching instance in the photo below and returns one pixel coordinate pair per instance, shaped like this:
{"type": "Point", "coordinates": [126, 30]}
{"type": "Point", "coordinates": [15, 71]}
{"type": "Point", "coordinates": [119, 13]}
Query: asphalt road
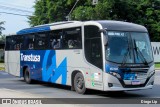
{"type": "Point", "coordinates": [49, 90]}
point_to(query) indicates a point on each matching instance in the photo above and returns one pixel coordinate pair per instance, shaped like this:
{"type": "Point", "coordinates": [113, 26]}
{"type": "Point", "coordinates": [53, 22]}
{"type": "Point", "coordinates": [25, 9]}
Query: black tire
{"type": "Point", "coordinates": [27, 78]}
{"type": "Point", "coordinates": [79, 83]}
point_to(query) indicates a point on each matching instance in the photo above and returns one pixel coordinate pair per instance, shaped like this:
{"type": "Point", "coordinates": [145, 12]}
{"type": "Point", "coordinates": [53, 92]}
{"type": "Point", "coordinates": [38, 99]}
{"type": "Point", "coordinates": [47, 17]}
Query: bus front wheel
{"type": "Point", "coordinates": [27, 78]}
{"type": "Point", "coordinates": [79, 83]}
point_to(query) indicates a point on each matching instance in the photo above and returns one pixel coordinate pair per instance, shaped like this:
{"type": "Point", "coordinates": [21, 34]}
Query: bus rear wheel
{"type": "Point", "coordinates": [27, 78]}
{"type": "Point", "coordinates": [79, 83]}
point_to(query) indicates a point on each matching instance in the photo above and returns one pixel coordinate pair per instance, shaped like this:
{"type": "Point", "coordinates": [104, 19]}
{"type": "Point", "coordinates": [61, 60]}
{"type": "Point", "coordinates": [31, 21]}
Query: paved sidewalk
{"type": "Point", "coordinates": [157, 69]}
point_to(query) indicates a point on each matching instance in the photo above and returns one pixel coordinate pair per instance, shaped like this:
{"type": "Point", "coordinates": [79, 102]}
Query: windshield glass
{"type": "Point", "coordinates": [120, 47]}
{"type": "Point", "coordinates": [142, 43]}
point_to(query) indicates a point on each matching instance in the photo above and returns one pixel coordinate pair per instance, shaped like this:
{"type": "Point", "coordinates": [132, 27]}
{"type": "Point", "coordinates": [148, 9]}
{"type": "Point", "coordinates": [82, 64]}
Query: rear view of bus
{"type": "Point", "coordinates": [129, 62]}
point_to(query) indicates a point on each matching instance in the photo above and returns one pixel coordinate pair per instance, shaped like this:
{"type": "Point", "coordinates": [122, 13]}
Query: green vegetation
{"type": "Point", "coordinates": [144, 12]}
{"type": "Point", "coordinates": [157, 65]}
{"type": "Point", "coordinates": [2, 68]}
{"type": "Point", "coordinates": [2, 39]}
{"type": "Point", "coordinates": [1, 28]}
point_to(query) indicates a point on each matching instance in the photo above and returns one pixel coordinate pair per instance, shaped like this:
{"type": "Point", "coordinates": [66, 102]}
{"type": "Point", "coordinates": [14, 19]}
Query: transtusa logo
{"type": "Point", "coordinates": [30, 58]}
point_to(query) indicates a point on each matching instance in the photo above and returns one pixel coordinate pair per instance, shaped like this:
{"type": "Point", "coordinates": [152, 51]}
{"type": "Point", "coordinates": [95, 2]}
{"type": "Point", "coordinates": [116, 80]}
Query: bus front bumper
{"type": "Point", "coordinates": [114, 84]}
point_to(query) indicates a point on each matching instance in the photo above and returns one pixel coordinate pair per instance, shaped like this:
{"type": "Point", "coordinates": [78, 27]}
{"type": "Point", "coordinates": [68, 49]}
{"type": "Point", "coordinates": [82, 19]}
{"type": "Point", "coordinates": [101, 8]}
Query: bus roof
{"type": "Point", "coordinates": [106, 24]}
{"type": "Point", "coordinates": [42, 28]}
{"type": "Point", "coordinates": [121, 26]}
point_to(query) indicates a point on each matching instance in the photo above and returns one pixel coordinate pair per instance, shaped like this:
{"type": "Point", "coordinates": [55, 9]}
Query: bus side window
{"type": "Point", "coordinates": [72, 38]}
{"type": "Point", "coordinates": [14, 42]}
{"type": "Point", "coordinates": [18, 42]}
{"type": "Point", "coordinates": [31, 46]}
{"type": "Point", "coordinates": [55, 39]}
{"type": "Point", "coordinates": [41, 41]}
{"type": "Point", "coordinates": [29, 41]}
{"type": "Point", "coordinates": [9, 43]}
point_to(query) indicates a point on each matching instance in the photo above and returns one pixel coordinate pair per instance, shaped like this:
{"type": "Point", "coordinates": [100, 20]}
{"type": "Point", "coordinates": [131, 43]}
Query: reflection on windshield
{"type": "Point", "coordinates": [143, 45]}
{"type": "Point", "coordinates": [120, 47]}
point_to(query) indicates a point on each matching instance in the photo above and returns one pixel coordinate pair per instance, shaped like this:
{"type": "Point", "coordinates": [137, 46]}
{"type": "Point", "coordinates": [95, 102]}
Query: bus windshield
{"type": "Point", "coordinates": [128, 47]}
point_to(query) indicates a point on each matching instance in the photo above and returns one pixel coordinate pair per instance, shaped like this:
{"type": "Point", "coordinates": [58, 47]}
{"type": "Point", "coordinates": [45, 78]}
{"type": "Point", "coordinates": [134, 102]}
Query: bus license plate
{"type": "Point", "coordinates": [136, 82]}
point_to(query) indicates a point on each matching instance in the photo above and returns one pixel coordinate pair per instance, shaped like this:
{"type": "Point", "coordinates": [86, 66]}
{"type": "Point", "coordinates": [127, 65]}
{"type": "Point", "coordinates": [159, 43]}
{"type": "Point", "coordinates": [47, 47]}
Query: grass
{"type": "Point", "coordinates": [2, 67]}
{"type": "Point", "coordinates": [157, 65]}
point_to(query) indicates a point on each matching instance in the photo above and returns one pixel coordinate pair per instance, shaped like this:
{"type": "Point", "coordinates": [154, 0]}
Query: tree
{"type": "Point", "coordinates": [39, 16]}
{"type": "Point", "coordinates": [48, 11]}
{"type": "Point", "coordinates": [149, 16]}
{"type": "Point", "coordinates": [106, 10]}
{"type": "Point", "coordinates": [144, 12]}
{"type": "Point", "coordinates": [1, 28]}
{"type": "Point", "coordinates": [2, 38]}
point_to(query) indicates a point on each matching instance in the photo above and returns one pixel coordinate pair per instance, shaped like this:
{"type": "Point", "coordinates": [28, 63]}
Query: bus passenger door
{"type": "Point", "coordinates": [93, 55]}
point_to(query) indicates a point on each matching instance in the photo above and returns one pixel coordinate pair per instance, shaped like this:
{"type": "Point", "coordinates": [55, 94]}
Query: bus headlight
{"type": "Point", "coordinates": [115, 74]}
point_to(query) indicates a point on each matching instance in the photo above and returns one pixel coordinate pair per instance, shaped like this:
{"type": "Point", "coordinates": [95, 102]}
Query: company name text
{"type": "Point", "coordinates": [30, 58]}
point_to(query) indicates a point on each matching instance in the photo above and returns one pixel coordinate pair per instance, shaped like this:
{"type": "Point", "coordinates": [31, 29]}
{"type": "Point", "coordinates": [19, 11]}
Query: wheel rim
{"type": "Point", "coordinates": [80, 83]}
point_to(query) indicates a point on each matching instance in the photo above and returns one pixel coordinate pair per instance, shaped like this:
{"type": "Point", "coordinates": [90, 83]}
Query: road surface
{"type": "Point", "coordinates": [47, 90]}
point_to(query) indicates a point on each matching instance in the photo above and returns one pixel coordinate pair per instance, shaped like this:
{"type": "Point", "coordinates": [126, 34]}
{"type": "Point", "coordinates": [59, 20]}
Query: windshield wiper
{"type": "Point", "coordinates": [139, 53]}
{"type": "Point", "coordinates": [126, 55]}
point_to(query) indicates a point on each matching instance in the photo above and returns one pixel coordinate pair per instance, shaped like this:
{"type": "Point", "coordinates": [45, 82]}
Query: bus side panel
{"type": "Point", "coordinates": [76, 62]}
{"type": "Point", "coordinates": [56, 66]}
{"type": "Point", "coordinates": [42, 65]}
{"type": "Point", "coordinates": [5, 61]}
{"type": "Point", "coordinates": [12, 62]}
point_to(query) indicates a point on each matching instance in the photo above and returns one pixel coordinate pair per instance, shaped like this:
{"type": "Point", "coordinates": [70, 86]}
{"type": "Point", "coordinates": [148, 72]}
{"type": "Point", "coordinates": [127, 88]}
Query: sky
{"type": "Point", "coordinates": [14, 23]}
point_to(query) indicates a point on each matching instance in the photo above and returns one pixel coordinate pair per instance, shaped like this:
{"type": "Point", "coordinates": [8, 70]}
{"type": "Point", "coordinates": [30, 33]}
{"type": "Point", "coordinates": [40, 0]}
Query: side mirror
{"type": "Point", "coordinates": [102, 30]}
{"type": "Point", "coordinates": [105, 37]}
{"type": "Point", "coordinates": [105, 40]}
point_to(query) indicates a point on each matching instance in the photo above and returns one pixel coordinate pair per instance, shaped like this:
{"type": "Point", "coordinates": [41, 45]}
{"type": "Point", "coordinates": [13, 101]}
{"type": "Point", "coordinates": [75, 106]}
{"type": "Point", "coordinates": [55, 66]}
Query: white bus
{"type": "Point", "coordinates": [100, 55]}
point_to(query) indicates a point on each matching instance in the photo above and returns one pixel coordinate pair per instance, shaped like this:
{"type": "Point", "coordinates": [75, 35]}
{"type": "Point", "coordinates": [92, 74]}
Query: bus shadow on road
{"type": "Point", "coordinates": [127, 94]}
{"type": "Point", "coordinates": [115, 94]}
{"type": "Point", "coordinates": [111, 94]}
{"type": "Point", "coordinates": [49, 85]}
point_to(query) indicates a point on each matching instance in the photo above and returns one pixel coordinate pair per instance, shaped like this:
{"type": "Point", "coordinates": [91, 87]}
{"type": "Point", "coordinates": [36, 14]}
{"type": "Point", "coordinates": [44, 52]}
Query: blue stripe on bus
{"type": "Point", "coordinates": [125, 73]}
{"type": "Point", "coordinates": [34, 30]}
{"type": "Point", "coordinates": [54, 72]}
{"type": "Point", "coordinates": [42, 65]}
